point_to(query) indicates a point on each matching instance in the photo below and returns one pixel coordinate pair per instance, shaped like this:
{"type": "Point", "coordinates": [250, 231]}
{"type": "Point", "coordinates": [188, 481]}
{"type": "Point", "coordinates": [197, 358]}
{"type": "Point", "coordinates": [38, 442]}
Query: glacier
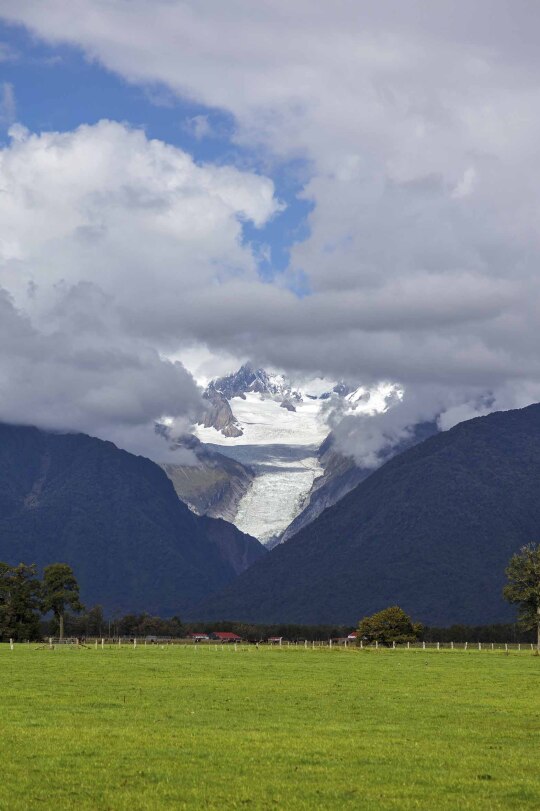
{"type": "Point", "coordinates": [280, 444]}
{"type": "Point", "coordinates": [282, 447]}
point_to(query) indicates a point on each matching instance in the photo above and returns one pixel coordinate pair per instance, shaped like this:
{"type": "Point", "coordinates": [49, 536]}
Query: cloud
{"type": "Point", "coordinates": [419, 125]}
{"type": "Point", "coordinates": [199, 126]}
{"type": "Point", "coordinates": [105, 239]}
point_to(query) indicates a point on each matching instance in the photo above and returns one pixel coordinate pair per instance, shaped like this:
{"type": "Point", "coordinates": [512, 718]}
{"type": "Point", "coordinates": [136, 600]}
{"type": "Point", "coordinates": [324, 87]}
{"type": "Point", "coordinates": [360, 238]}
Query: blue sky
{"type": "Point", "coordinates": [57, 88]}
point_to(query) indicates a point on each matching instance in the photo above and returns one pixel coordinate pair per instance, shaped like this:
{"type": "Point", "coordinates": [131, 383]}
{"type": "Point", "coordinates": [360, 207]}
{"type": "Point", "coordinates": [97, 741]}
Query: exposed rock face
{"type": "Point", "coordinates": [288, 405]}
{"type": "Point", "coordinates": [219, 414]}
{"type": "Point", "coordinates": [247, 379]}
{"type": "Point", "coordinates": [214, 486]}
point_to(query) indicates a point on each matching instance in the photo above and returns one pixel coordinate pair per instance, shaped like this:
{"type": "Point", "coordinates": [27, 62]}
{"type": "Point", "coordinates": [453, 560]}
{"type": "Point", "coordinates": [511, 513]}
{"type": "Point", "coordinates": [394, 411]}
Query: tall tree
{"type": "Point", "coordinates": [20, 602]}
{"type": "Point", "coordinates": [60, 591]}
{"type": "Point", "coordinates": [523, 587]}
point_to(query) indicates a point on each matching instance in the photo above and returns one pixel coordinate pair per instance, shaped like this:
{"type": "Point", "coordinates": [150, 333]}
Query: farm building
{"type": "Point", "coordinates": [225, 636]}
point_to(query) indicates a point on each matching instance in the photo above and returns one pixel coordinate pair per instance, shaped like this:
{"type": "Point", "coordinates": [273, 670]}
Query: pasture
{"type": "Point", "coordinates": [210, 727]}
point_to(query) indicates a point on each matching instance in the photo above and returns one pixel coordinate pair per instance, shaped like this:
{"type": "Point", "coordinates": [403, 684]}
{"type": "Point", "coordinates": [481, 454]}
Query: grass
{"type": "Point", "coordinates": [192, 727]}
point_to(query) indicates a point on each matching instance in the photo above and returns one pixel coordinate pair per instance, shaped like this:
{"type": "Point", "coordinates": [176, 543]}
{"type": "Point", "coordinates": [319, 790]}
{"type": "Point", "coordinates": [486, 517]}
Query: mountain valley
{"type": "Point", "coordinates": [279, 433]}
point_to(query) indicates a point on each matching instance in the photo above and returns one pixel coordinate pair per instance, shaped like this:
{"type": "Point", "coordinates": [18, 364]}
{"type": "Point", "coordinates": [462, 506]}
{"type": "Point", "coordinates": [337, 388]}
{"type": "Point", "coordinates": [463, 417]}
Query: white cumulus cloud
{"type": "Point", "coordinates": [105, 238]}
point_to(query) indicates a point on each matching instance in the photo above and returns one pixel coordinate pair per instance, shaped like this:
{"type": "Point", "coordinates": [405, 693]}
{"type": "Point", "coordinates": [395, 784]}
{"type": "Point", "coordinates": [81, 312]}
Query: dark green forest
{"type": "Point", "coordinates": [432, 530]}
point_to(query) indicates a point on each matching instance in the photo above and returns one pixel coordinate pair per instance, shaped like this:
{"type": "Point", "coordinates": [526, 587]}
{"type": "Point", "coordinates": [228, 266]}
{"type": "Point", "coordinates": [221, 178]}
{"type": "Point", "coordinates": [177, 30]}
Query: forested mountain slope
{"type": "Point", "coordinates": [115, 518]}
{"type": "Point", "coordinates": [431, 530]}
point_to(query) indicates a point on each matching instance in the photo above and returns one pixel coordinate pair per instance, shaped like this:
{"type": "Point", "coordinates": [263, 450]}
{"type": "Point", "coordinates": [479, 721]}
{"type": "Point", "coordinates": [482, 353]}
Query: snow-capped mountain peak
{"type": "Point", "coordinates": [248, 379]}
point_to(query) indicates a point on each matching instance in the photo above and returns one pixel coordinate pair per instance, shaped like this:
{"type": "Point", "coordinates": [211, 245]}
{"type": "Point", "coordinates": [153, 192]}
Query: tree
{"type": "Point", "coordinates": [60, 591]}
{"type": "Point", "coordinates": [20, 593]}
{"type": "Point", "coordinates": [390, 625]}
{"type": "Point", "coordinates": [523, 587]}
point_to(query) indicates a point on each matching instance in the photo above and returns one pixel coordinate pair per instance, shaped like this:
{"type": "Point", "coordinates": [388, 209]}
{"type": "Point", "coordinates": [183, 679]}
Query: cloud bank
{"type": "Point", "coordinates": [105, 238]}
{"type": "Point", "coordinates": [420, 125]}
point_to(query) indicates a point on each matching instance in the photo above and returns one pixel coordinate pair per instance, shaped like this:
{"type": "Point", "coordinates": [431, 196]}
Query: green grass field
{"type": "Point", "coordinates": [193, 727]}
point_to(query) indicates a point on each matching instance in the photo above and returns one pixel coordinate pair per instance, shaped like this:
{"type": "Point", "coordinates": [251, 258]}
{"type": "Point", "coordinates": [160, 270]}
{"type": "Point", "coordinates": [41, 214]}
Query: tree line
{"type": "Point", "coordinates": [24, 598]}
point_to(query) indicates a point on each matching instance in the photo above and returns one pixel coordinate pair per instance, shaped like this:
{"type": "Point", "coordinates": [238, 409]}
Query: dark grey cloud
{"type": "Point", "coordinates": [69, 379]}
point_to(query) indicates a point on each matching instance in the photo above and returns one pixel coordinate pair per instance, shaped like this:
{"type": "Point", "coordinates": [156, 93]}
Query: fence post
{"type": "Point", "coordinates": [466, 644]}
{"type": "Point", "coordinates": [438, 645]}
{"type": "Point", "coordinates": [134, 642]}
{"type": "Point", "coordinates": [330, 644]}
{"type": "Point", "coordinates": [479, 646]}
{"type": "Point", "coordinates": [11, 646]}
{"type": "Point", "coordinates": [519, 645]}
{"type": "Point", "coordinates": [423, 645]}
{"type": "Point", "coordinates": [408, 645]}
{"type": "Point", "coordinates": [376, 644]}
{"type": "Point", "coordinates": [451, 646]}
{"type": "Point", "coordinates": [506, 646]}
{"type": "Point", "coordinates": [394, 644]}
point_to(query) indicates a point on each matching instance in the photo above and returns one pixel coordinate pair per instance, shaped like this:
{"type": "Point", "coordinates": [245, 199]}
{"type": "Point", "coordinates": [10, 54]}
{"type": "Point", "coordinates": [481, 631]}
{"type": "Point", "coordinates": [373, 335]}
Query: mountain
{"type": "Point", "coordinates": [431, 530]}
{"type": "Point", "coordinates": [342, 474]}
{"type": "Point", "coordinates": [263, 421]}
{"type": "Point", "coordinates": [115, 518]}
{"type": "Point", "coordinates": [247, 379]}
{"type": "Point", "coordinates": [214, 486]}
{"type": "Point", "coordinates": [280, 447]}
{"type": "Point", "coordinates": [218, 414]}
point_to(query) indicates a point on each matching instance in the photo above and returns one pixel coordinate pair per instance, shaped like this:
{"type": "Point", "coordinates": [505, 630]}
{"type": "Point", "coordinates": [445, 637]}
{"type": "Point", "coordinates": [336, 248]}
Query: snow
{"type": "Point", "coordinates": [276, 496]}
{"type": "Point", "coordinates": [282, 447]}
{"type": "Point", "coordinates": [373, 401]}
{"type": "Point", "coordinates": [264, 422]}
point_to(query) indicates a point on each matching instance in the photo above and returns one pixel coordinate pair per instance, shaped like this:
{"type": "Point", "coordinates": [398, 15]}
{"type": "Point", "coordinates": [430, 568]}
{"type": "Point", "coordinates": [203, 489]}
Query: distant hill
{"type": "Point", "coordinates": [115, 518]}
{"type": "Point", "coordinates": [432, 530]}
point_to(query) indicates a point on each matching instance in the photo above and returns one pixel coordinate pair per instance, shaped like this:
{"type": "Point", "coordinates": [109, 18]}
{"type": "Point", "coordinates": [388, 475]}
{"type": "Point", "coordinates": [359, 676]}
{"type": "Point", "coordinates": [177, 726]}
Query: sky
{"type": "Point", "coordinates": [341, 189]}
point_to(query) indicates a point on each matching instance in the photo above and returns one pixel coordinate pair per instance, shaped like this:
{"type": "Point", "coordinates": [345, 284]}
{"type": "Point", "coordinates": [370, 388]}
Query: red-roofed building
{"type": "Point", "coordinates": [225, 636]}
{"type": "Point", "coordinates": [353, 635]}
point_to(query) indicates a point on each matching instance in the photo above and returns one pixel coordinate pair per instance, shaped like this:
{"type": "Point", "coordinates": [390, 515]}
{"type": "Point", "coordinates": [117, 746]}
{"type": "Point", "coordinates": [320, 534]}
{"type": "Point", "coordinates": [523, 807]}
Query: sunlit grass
{"type": "Point", "coordinates": [195, 727]}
